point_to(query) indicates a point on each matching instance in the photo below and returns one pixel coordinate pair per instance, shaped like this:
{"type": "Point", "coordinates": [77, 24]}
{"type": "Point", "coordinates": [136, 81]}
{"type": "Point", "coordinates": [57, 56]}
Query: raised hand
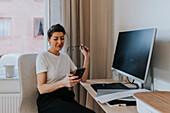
{"type": "Point", "coordinates": [85, 51]}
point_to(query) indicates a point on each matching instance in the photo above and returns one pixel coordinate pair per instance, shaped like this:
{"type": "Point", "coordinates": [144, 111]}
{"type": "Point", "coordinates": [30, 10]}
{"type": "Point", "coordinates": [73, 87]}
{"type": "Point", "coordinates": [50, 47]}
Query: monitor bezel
{"type": "Point", "coordinates": [149, 59]}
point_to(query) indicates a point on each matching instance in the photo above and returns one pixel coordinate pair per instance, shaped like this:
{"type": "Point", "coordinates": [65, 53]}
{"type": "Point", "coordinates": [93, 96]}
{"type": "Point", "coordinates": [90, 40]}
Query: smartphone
{"type": "Point", "coordinates": [79, 72]}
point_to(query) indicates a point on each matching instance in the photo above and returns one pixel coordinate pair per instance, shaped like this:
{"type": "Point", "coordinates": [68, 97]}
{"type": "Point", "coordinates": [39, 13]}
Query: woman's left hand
{"type": "Point", "coordinates": [85, 51]}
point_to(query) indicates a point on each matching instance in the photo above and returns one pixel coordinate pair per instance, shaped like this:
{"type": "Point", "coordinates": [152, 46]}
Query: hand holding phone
{"type": "Point", "coordinates": [79, 72]}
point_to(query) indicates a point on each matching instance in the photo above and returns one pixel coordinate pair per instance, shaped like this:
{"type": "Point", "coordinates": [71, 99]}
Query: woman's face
{"type": "Point", "coordinates": [57, 41]}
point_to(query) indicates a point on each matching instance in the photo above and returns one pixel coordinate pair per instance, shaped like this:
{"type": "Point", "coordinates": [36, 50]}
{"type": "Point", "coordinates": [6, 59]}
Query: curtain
{"type": "Point", "coordinates": [5, 27]}
{"type": "Point", "coordinates": [89, 22]}
{"type": "Point", "coordinates": [101, 41]}
{"type": "Point", "coordinates": [37, 26]}
{"type": "Point", "coordinates": [70, 18]}
{"type": "Point", "coordinates": [77, 26]}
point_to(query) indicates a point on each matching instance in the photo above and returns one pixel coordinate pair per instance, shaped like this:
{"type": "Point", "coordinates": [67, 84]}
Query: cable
{"type": "Point", "coordinates": [137, 86]}
{"type": "Point", "coordinates": [130, 81]}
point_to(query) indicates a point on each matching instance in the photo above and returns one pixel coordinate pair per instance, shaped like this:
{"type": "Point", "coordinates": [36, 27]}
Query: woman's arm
{"type": "Point", "coordinates": [86, 54]}
{"type": "Point", "coordinates": [46, 88]}
{"type": "Point", "coordinates": [43, 87]}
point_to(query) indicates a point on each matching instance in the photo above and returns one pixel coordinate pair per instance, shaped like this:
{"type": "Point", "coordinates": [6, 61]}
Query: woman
{"type": "Point", "coordinates": [53, 76]}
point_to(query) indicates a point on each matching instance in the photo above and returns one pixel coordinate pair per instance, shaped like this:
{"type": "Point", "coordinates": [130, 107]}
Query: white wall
{"type": "Point", "coordinates": [136, 14]}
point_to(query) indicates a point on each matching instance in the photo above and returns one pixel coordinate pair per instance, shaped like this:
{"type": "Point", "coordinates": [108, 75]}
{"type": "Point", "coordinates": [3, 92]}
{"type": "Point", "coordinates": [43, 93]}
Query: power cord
{"type": "Point", "coordinates": [132, 82]}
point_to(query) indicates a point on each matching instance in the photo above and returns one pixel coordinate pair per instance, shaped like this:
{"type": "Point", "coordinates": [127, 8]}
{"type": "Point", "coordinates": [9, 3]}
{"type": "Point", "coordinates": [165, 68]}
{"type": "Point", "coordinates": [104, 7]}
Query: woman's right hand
{"type": "Point", "coordinates": [69, 81]}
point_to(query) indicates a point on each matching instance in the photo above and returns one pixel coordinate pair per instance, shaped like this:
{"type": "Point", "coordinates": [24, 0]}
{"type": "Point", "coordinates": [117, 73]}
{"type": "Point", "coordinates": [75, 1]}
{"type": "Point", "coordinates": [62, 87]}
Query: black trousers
{"type": "Point", "coordinates": [60, 101]}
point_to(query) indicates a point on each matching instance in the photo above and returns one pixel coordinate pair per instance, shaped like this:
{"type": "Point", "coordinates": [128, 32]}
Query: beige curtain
{"type": "Point", "coordinates": [101, 40]}
{"type": "Point", "coordinates": [70, 19]}
{"type": "Point", "coordinates": [89, 22]}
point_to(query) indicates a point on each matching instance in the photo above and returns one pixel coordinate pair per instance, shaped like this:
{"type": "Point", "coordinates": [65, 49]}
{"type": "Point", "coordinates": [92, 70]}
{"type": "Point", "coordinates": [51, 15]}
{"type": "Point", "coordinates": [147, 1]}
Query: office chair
{"type": "Point", "coordinates": [28, 83]}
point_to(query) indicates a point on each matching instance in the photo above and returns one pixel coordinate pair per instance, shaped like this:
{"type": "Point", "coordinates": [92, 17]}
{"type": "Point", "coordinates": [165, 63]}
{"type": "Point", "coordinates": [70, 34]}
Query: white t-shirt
{"type": "Point", "coordinates": [57, 67]}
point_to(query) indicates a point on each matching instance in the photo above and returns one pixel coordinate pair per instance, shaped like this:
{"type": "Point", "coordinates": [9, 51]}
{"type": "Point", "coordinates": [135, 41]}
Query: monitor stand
{"type": "Point", "coordinates": [149, 81]}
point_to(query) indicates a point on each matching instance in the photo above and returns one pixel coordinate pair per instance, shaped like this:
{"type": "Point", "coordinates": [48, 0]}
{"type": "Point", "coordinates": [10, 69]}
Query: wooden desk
{"type": "Point", "coordinates": [153, 102]}
{"type": "Point", "coordinates": [91, 94]}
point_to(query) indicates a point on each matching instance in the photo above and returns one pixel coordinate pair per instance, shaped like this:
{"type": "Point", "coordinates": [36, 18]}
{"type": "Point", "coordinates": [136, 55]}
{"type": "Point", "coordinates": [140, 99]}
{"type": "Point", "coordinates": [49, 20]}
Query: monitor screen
{"type": "Point", "coordinates": [133, 53]}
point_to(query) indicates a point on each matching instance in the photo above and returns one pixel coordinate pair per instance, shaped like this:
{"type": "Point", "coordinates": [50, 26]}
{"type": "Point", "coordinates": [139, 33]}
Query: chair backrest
{"type": "Point", "coordinates": [28, 83]}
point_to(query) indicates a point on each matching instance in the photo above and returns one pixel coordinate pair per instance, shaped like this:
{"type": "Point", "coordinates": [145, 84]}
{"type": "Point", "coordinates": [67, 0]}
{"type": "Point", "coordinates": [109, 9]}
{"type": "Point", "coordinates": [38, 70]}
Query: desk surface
{"type": "Point", "coordinates": [159, 100]}
{"type": "Point", "coordinates": [105, 107]}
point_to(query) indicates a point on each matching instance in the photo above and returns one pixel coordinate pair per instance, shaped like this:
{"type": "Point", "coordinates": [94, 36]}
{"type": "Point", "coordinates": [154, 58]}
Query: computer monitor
{"type": "Point", "coordinates": [133, 53]}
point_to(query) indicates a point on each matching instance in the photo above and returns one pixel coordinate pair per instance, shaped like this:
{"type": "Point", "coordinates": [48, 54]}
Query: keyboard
{"type": "Point", "coordinates": [109, 86]}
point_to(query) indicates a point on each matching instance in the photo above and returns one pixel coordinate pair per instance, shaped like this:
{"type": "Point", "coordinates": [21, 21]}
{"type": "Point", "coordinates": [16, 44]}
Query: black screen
{"type": "Point", "coordinates": [133, 51]}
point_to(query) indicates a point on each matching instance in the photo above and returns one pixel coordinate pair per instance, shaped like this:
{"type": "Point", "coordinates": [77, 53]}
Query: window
{"type": "Point", "coordinates": [18, 22]}
{"type": "Point", "coordinates": [38, 0]}
{"type": "Point", "coordinates": [38, 27]}
{"type": "Point", "coordinates": [5, 0]}
{"type": "Point", "coordinates": [5, 27]}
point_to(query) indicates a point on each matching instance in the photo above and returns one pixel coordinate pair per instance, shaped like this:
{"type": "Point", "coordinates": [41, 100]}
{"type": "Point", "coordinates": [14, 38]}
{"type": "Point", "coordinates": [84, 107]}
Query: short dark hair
{"type": "Point", "coordinates": [55, 28]}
